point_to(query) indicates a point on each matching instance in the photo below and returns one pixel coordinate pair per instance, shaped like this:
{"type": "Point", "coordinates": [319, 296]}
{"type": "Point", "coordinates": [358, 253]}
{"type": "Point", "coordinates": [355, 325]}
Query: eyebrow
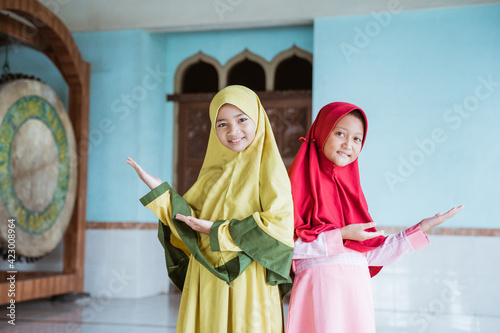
{"type": "Point", "coordinates": [345, 129]}
{"type": "Point", "coordinates": [238, 115]}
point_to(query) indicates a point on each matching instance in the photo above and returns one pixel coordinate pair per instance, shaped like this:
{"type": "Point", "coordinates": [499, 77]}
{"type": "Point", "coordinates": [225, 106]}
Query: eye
{"type": "Point", "coordinates": [241, 120]}
{"type": "Point", "coordinates": [340, 134]}
{"type": "Point", "coordinates": [222, 125]}
{"type": "Point", "coordinates": [358, 140]}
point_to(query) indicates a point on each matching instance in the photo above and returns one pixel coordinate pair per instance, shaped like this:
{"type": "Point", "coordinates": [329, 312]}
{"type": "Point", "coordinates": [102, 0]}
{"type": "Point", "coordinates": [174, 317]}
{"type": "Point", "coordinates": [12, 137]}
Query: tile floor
{"type": "Point", "coordinates": [159, 313]}
{"type": "Point", "coordinates": [89, 315]}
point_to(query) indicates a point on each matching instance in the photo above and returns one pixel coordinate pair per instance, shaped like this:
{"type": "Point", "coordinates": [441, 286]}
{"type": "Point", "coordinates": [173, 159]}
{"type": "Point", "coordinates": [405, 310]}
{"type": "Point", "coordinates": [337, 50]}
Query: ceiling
{"type": "Point", "coordinates": [198, 15]}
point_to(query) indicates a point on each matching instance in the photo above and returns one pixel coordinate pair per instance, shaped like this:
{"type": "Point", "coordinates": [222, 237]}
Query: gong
{"type": "Point", "coordinates": [38, 167]}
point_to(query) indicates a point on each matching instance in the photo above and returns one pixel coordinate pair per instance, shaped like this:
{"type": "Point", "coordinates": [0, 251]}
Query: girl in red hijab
{"type": "Point", "coordinates": [337, 248]}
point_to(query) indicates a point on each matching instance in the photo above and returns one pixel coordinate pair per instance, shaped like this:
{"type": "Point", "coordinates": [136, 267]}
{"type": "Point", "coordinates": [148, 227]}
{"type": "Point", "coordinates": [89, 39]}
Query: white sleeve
{"type": "Point", "coordinates": [326, 244]}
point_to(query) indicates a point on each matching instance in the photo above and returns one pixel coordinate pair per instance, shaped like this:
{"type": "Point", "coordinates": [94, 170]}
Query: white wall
{"type": "Point", "coordinates": [124, 264]}
{"type": "Point", "coordinates": [451, 285]}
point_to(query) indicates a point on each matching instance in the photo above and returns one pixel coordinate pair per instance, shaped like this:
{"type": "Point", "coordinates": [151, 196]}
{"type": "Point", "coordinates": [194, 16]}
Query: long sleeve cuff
{"type": "Point", "coordinates": [417, 237]}
{"type": "Point", "coordinates": [334, 242]}
{"type": "Point", "coordinates": [220, 238]}
{"type": "Point", "coordinates": [214, 236]}
{"type": "Point", "coordinates": [327, 243]}
{"type": "Point", "coordinates": [155, 193]}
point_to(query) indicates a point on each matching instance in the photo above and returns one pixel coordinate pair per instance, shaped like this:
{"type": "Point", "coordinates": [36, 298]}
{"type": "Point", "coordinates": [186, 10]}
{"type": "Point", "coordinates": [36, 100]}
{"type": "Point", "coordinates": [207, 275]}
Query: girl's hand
{"type": "Point", "coordinates": [134, 165]}
{"type": "Point", "coordinates": [198, 225]}
{"type": "Point", "coordinates": [356, 232]}
{"type": "Point", "coordinates": [150, 180]}
{"type": "Point", "coordinates": [431, 222]}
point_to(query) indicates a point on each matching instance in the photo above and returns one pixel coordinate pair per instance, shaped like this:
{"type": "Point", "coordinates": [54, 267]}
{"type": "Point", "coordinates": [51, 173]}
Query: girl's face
{"type": "Point", "coordinates": [234, 128]}
{"type": "Point", "coordinates": [344, 142]}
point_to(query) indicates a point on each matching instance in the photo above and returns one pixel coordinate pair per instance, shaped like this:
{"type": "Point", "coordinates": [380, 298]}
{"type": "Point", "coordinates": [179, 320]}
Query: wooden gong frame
{"type": "Point", "coordinates": [46, 33]}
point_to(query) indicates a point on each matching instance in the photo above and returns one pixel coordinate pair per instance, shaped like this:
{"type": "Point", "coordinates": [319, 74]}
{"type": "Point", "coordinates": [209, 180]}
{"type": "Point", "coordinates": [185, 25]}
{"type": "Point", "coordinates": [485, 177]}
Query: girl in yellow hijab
{"type": "Point", "coordinates": [229, 241]}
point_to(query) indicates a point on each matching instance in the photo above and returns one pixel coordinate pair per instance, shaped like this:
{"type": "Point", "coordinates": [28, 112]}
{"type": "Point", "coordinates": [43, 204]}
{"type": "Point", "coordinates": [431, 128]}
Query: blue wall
{"type": "Point", "coordinates": [430, 84]}
{"type": "Point", "coordinates": [224, 45]}
{"type": "Point", "coordinates": [411, 72]}
{"type": "Point", "coordinates": [127, 114]}
{"type": "Point", "coordinates": [132, 71]}
{"type": "Point", "coordinates": [144, 128]}
{"type": "Point", "coordinates": [127, 118]}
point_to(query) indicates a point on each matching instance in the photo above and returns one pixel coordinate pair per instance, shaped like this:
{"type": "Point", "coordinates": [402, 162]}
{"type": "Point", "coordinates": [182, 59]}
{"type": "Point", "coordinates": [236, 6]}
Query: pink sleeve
{"type": "Point", "coordinates": [417, 237]}
{"type": "Point", "coordinates": [397, 245]}
{"type": "Point", "coordinates": [326, 244]}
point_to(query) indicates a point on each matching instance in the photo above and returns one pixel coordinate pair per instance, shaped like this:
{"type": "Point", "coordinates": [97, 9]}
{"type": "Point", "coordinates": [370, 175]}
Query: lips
{"type": "Point", "coordinates": [341, 153]}
{"type": "Point", "coordinates": [235, 141]}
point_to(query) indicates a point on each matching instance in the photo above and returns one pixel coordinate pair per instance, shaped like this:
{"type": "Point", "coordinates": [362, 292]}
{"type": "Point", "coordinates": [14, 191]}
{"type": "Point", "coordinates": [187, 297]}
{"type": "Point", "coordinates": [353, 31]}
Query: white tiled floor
{"type": "Point", "coordinates": [147, 315]}
{"type": "Point", "coordinates": [159, 314]}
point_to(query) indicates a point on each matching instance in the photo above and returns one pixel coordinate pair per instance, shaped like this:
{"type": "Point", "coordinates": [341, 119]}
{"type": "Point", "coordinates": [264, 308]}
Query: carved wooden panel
{"type": "Point", "coordinates": [194, 130]}
{"type": "Point", "coordinates": [290, 118]}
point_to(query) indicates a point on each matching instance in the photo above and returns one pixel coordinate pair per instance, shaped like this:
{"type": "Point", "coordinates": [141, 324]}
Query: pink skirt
{"type": "Point", "coordinates": [331, 295]}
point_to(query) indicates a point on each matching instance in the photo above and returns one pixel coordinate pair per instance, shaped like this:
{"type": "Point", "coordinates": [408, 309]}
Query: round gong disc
{"type": "Point", "coordinates": [38, 167]}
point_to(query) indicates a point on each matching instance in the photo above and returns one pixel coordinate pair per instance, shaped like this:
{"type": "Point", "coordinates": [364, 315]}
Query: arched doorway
{"type": "Point", "coordinates": [284, 86]}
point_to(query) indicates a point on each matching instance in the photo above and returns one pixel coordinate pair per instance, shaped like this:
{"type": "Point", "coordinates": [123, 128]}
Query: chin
{"type": "Point", "coordinates": [343, 164]}
{"type": "Point", "coordinates": [235, 149]}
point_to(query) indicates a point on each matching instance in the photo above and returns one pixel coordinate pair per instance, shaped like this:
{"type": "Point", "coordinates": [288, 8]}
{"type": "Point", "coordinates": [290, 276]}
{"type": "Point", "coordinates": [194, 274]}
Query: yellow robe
{"type": "Point", "coordinates": [231, 279]}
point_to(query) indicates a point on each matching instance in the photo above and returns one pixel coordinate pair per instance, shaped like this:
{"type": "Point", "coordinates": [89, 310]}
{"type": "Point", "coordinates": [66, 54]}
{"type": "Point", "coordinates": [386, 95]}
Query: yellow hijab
{"type": "Point", "coordinates": [235, 185]}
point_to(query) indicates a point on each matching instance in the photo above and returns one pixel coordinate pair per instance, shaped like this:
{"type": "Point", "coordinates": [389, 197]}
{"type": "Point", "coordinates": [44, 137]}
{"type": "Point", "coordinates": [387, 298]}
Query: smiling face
{"type": "Point", "coordinates": [345, 141]}
{"type": "Point", "coordinates": [234, 128]}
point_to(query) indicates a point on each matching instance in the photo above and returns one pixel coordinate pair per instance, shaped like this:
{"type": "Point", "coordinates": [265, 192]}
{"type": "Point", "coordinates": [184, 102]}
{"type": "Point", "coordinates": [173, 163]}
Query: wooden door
{"type": "Point", "coordinates": [194, 130]}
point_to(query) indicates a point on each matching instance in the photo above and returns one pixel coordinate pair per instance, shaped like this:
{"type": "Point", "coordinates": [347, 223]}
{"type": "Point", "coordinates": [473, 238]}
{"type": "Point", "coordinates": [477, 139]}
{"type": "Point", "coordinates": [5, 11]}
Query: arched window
{"type": "Point", "coordinates": [200, 77]}
{"type": "Point", "coordinates": [248, 73]}
{"type": "Point", "coordinates": [293, 73]}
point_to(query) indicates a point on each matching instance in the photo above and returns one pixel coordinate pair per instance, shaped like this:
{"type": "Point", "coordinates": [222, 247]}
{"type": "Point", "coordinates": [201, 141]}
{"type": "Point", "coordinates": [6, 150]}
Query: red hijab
{"type": "Point", "coordinates": [327, 196]}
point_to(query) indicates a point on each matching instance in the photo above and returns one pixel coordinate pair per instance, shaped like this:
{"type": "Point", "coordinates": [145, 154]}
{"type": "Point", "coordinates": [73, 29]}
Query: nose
{"type": "Point", "coordinates": [347, 143]}
{"type": "Point", "coordinates": [234, 129]}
